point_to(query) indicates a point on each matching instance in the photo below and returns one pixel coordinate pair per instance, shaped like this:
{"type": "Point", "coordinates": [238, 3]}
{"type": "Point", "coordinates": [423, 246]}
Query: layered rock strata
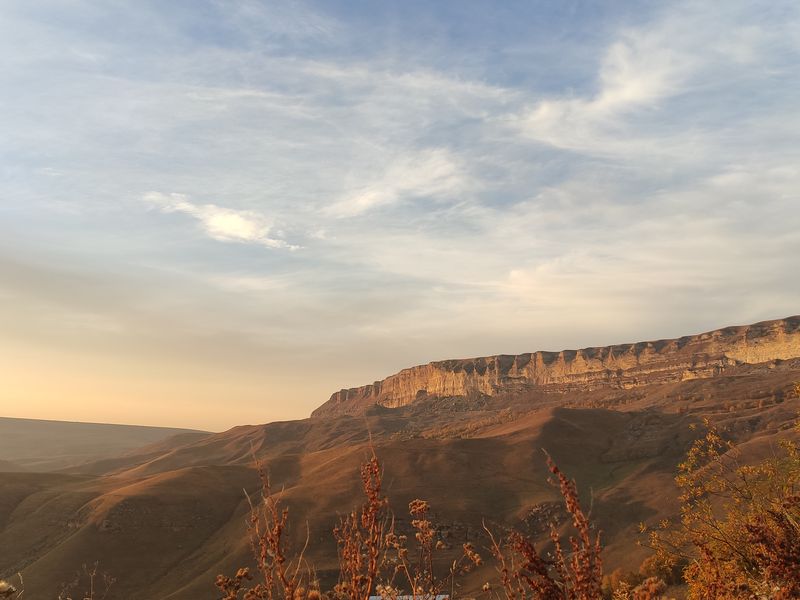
{"type": "Point", "coordinates": [620, 366]}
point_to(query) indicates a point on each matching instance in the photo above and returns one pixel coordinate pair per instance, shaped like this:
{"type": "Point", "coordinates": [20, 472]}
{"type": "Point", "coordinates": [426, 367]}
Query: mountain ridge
{"type": "Point", "coordinates": [623, 366]}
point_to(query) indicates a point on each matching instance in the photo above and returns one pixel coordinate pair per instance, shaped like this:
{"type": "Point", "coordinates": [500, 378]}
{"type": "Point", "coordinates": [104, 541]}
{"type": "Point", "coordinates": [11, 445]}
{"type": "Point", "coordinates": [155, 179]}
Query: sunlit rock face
{"type": "Point", "coordinates": [620, 366]}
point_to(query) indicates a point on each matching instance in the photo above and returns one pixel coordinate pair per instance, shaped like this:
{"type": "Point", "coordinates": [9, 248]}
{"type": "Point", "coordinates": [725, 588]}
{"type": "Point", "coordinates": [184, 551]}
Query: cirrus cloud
{"type": "Point", "coordinates": [433, 174]}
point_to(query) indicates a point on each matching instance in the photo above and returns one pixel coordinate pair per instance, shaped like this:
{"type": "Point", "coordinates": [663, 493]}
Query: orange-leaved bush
{"type": "Point", "coordinates": [739, 526]}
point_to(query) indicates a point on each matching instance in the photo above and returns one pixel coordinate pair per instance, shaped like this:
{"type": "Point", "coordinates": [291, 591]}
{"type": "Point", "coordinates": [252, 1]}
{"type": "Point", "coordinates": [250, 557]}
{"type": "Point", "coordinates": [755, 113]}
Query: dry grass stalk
{"type": "Point", "coordinates": [95, 583]}
{"type": "Point", "coordinates": [420, 574]}
{"type": "Point", "coordinates": [575, 574]}
{"type": "Point", "coordinates": [361, 537]}
{"type": "Point", "coordinates": [281, 577]}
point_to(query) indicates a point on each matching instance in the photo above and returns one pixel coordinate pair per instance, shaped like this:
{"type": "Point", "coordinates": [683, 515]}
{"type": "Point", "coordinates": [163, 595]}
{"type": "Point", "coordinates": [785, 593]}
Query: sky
{"type": "Point", "coordinates": [220, 212]}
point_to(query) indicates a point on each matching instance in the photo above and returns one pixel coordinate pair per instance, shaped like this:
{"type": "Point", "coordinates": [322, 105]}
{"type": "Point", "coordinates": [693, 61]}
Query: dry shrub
{"type": "Point", "coordinates": [651, 588]}
{"type": "Point", "coordinates": [429, 573]}
{"type": "Point", "coordinates": [574, 573]}
{"type": "Point", "coordinates": [96, 584]}
{"type": "Point", "coordinates": [739, 528]}
{"type": "Point", "coordinates": [361, 537]}
{"type": "Point", "coordinates": [670, 573]}
{"type": "Point", "coordinates": [648, 583]}
{"type": "Point", "coordinates": [279, 576]}
{"type": "Point", "coordinates": [374, 558]}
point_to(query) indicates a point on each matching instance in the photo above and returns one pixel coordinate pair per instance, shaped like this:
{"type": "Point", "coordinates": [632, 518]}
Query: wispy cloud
{"type": "Point", "coordinates": [688, 49]}
{"type": "Point", "coordinates": [637, 72]}
{"type": "Point", "coordinates": [430, 174]}
{"type": "Point", "coordinates": [219, 223]}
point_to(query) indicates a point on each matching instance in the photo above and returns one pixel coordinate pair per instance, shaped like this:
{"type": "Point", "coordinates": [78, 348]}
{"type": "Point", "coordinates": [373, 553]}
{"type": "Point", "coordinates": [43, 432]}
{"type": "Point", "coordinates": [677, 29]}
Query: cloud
{"type": "Point", "coordinates": [432, 174]}
{"type": "Point", "coordinates": [457, 189]}
{"type": "Point", "coordinates": [645, 72]}
{"type": "Point", "coordinates": [219, 223]}
{"type": "Point", "coordinates": [638, 70]}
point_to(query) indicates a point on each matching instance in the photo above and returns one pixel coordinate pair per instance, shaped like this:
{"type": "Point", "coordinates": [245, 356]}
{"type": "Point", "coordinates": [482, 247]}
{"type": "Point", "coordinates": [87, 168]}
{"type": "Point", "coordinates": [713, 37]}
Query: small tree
{"type": "Point", "coordinates": [739, 527]}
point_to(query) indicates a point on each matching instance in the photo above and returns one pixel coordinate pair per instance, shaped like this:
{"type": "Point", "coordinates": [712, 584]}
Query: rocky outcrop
{"type": "Point", "coordinates": [621, 366]}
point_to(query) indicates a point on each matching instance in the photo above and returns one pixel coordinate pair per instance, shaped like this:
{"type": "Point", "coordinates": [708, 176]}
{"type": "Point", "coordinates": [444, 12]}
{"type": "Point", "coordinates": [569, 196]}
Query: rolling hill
{"type": "Point", "coordinates": [167, 518]}
{"type": "Point", "coordinates": [39, 445]}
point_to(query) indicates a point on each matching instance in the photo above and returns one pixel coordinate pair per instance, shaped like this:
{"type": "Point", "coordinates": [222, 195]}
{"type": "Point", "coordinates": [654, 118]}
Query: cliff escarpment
{"type": "Point", "coordinates": [621, 366]}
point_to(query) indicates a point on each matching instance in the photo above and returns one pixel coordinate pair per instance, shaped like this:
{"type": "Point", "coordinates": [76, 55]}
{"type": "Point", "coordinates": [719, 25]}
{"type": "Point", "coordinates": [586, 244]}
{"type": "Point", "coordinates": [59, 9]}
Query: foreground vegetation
{"type": "Point", "coordinates": [738, 537]}
{"type": "Point", "coordinates": [739, 531]}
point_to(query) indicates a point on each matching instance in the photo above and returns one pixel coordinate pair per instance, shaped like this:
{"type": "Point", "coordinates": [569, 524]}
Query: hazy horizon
{"type": "Point", "coordinates": [218, 213]}
{"type": "Point", "coordinates": [216, 428]}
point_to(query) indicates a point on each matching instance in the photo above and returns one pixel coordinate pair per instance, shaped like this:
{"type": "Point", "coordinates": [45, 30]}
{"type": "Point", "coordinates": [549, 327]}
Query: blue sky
{"type": "Point", "coordinates": [220, 212]}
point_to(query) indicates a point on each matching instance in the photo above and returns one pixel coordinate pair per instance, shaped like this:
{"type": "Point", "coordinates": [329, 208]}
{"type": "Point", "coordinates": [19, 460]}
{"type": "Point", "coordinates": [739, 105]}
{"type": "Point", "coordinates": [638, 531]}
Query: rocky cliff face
{"type": "Point", "coordinates": [621, 366]}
